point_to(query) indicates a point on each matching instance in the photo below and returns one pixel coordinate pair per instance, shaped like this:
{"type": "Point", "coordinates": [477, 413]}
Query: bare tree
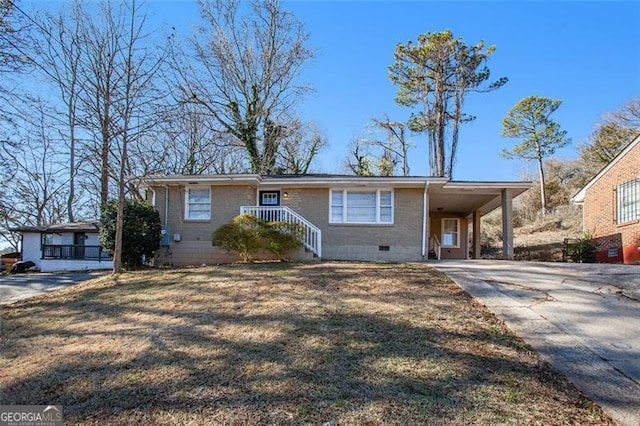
{"type": "Point", "coordinates": [359, 162]}
{"type": "Point", "coordinates": [135, 69]}
{"type": "Point", "coordinates": [395, 146]}
{"type": "Point", "coordinates": [58, 56]}
{"type": "Point", "coordinates": [243, 73]}
{"type": "Point", "coordinates": [14, 61]}
{"type": "Point", "coordinates": [611, 135]}
{"type": "Point", "coordinates": [299, 148]}
{"type": "Point", "coordinates": [101, 34]}
{"type": "Point", "coordinates": [38, 182]}
{"type": "Point", "coordinates": [186, 141]}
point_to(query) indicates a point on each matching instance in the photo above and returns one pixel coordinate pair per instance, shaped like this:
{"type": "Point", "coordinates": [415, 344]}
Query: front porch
{"type": "Point", "coordinates": [74, 252]}
{"type": "Point", "coordinates": [73, 257]}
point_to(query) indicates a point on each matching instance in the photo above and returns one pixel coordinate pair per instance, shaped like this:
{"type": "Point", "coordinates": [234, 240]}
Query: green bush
{"type": "Point", "coordinates": [140, 233]}
{"type": "Point", "coordinates": [246, 235]}
{"type": "Point", "coordinates": [241, 235]}
{"type": "Point", "coordinates": [582, 249]}
{"type": "Point", "coordinates": [280, 238]}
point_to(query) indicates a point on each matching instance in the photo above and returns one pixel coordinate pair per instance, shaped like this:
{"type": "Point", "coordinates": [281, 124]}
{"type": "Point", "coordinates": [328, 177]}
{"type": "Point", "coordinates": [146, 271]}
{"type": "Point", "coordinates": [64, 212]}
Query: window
{"type": "Point", "coordinates": [361, 207]}
{"type": "Point", "coordinates": [198, 204]}
{"type": "Point", "coordinates": [451, 233]}
{"type": "Point", "coordinates": [628, 202]}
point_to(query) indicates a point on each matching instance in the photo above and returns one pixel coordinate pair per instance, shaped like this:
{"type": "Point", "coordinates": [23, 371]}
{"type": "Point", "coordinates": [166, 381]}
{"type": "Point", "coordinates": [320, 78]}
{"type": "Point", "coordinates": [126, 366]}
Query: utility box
{"type": "Point", "coordinates": [165, 236]}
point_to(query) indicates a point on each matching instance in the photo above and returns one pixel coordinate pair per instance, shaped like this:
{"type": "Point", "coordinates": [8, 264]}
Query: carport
{"type": "Point", "coordinates": [470, 201]}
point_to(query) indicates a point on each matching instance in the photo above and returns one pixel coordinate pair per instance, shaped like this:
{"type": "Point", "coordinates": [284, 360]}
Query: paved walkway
{"type": "Point", "coordinates": [582, 318]}
{"type": "Point", "coordinates": [14, 287]}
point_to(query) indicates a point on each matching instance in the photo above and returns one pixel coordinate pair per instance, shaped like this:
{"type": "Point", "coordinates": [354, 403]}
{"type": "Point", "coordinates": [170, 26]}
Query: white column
{"type": "Point", "coordinates": [507, 224]}
{"type": "Point", "coordinates": [476, 235]}
{"type": "Point", "coordinates": [425, 221]}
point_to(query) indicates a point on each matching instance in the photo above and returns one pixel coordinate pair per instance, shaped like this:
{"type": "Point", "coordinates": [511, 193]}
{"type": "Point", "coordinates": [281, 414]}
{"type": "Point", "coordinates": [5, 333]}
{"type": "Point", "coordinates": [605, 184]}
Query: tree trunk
{"type": "Point", "coordinates": [543, 197]}
{"type": "Point", "coordinates": [72, 168]}
{"type": "Point", "coordinates": [117, 250]}
{"type": "Point", "coordinates": [104, 161]}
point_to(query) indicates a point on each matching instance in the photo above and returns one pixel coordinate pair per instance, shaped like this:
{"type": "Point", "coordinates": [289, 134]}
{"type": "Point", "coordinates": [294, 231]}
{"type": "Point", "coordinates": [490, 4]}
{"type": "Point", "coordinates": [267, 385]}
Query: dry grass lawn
{"type": "Point", "coordinates": [348, 343]}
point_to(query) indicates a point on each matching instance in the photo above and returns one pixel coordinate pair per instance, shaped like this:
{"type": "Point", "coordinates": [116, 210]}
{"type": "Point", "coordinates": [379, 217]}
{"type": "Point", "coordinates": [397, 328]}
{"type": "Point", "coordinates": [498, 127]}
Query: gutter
{"type": "Point", "coordinates": [166, 205]}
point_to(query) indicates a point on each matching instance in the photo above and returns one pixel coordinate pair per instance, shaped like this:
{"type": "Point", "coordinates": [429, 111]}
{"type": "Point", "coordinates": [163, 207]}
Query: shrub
{"type": "Point", "coordinates": [240, 235]}
{"type": "Point", "coordinates": [280, 238]}
{"type": "Point", "coordinates": [140, 233]}
{"type": "Point", "coordinates": [246, 235]}
{"type": "Point", "coordinates": [582, 249]}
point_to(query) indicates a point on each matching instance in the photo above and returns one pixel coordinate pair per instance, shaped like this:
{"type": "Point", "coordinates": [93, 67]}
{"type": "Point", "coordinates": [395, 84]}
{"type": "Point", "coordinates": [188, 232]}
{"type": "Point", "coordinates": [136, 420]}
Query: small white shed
{"type": "Point", "coordinates": [64, 247]}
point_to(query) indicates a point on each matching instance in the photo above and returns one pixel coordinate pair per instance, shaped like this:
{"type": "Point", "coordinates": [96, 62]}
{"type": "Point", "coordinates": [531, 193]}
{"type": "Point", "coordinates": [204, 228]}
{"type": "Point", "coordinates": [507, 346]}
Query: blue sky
{"type": "Point", "coordinates": [584, 53]}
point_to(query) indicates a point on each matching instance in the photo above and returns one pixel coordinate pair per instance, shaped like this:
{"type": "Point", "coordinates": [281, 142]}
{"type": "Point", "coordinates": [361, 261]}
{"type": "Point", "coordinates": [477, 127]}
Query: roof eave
{"type": "Point", "coordinates": [579, 197]}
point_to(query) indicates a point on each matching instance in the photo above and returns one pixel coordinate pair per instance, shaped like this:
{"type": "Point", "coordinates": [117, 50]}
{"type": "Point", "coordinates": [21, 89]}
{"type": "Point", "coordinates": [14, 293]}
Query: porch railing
{"type": "Point", "coordinates": [311, 235]}
{"type": "Point", "coordinates": [74, 252]}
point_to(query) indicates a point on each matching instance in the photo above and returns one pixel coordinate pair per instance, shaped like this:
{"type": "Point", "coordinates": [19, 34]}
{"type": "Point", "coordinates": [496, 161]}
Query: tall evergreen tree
{"type": "Point", "coordinates": [436, 74]}
{"type": "Point", "coordinates": [530, 120]}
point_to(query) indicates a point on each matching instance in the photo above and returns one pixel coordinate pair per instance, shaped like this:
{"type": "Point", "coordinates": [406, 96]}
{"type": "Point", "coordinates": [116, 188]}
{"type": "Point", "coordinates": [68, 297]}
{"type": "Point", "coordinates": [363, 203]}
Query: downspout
{"type": "Point", "coordinates": [167, 251]}
{"type": "Point", "coordinates": [166, 205]}
{"type": "Point", "coordinates": [425, 213]}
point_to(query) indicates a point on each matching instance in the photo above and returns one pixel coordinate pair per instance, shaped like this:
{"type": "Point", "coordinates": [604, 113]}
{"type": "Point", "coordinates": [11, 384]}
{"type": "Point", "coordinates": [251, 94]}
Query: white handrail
{"type": "Point", "coordinates": [311, 236]}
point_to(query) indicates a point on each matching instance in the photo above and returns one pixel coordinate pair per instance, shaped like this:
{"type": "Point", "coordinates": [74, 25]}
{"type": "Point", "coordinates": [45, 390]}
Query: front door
{"type": "Point", "coordinates": [269, 198]}
{"type": "Point", "coordinates": [78, 245]}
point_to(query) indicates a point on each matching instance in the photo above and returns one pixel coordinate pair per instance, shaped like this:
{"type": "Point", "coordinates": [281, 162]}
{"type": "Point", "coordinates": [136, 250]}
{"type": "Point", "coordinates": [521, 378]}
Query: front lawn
{"type": "Point", "coordinates": [349, 343]}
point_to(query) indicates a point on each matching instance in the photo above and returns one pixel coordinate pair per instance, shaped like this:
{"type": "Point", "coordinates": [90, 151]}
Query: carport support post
{"type": "Point", "coordinates": [475, 250]}
{"type": "Point", "coordinates": [507, 224]}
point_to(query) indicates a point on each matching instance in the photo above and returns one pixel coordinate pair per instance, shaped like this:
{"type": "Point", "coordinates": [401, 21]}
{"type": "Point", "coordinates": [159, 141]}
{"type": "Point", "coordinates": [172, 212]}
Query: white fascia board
{"type": "Point", "coordinates": [233, 179]}
{"type": "Point", "coordinates": [489, 187]}
{"type": "Point", "coordinates": [355, 181]}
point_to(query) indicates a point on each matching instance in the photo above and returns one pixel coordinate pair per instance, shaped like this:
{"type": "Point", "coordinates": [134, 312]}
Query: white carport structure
{"type": "Point", "coordinates": [472, 200]}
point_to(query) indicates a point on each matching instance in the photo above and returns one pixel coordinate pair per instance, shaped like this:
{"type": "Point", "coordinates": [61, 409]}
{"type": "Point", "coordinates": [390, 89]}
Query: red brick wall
{"type": "Point", "coordinates": [600, 211]}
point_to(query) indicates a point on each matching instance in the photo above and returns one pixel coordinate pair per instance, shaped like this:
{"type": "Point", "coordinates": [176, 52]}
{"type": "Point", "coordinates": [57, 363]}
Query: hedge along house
{"type": "Point", "coordinates": [64, 247]}
{"type": "Point", "coordinates": [343, 217]}
{"type": "Point", "coordinates": [611, 207]}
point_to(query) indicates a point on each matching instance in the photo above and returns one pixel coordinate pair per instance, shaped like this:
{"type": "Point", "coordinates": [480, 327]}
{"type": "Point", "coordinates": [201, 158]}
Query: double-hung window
{"type": "Point", "coordinates": [197, 204]}
{"type": "Point", "coordinates": [628, 202]}
{"type": "Point", "coordinates": [361, 206]}
{"type": "Point", "coordinates": [451, 233]}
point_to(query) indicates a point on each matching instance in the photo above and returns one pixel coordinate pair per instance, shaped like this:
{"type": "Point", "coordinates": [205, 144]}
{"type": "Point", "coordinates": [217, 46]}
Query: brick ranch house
{"type": "Point", "coordinates": [343, 217]}
{"type": "Point", "coordinates": [611, 207]}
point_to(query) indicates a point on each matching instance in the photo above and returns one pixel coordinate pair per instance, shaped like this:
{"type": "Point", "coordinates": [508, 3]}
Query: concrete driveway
{"type": "Point", "coordinates": [16, 287]}
{"type": "Point", "coordinates": [582, 318]}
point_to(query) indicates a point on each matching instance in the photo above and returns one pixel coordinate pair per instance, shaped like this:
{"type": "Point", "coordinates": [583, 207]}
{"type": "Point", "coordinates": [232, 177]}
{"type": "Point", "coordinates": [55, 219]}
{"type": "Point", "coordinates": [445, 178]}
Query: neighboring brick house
{"type": "Point", "coordinates": [342, 217]}
{"type": "Point", "coordinates": [611, 207]}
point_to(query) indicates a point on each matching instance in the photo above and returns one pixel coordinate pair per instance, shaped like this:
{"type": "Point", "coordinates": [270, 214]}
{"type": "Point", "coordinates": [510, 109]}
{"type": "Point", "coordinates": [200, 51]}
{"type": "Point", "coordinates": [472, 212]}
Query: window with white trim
{"type": "Point", "coordinates": [628, 202]}
{"type": "Point", "coordinates": [361, 206]}
{"type": "Point", "coordinates": [451, 233]}
{"type": "Point", "coordinates": [197, 204]}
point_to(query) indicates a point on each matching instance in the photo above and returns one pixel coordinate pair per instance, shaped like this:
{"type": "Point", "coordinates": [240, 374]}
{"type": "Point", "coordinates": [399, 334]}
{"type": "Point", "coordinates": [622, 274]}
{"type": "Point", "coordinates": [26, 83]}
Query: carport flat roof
{"type": "Point", "coordinates": [86, 226]}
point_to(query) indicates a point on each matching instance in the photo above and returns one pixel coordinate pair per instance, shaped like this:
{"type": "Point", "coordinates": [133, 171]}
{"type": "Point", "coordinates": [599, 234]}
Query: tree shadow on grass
{"type": "Point", "coordinates": [330, 360]}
